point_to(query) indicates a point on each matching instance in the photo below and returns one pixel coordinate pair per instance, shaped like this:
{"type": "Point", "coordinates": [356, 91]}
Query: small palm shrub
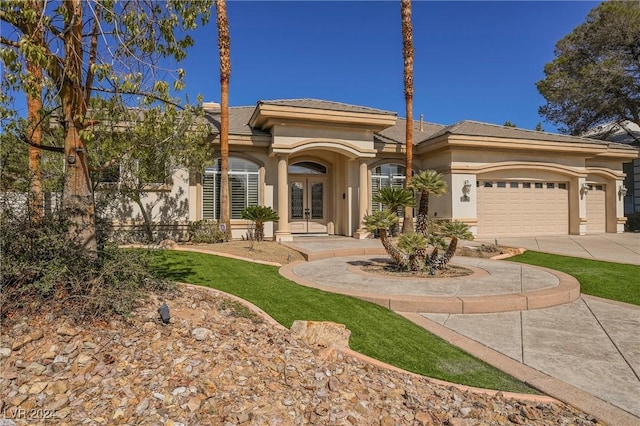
{"type": "Point", "coordinates": [414, 244]}
{"type": "Point", "coordinates": [259, 215]}
{"type": "Point", "coordinates": [395, 200]}
{"type": "Point", "coordinates": [206, 231]}
{"type": "Point", "coordinates": [455, 230]}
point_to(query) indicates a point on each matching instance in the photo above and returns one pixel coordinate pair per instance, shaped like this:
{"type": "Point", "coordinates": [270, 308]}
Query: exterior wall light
{"type": "Point", "coordinates": [584, 190]}
{"type": "Point", "coordinates": [622, 192]}
{"type": "Point", "coordinates": [466, 190]}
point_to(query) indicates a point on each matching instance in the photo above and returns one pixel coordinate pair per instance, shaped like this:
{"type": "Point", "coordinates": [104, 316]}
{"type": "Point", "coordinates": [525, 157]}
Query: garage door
{"type": "Point", "coordinates": [596, 209]}
{"type": "Point", "coordinates": [521, 209]}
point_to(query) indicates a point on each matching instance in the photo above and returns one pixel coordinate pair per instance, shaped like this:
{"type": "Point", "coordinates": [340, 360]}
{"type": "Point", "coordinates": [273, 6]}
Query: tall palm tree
{"type": "Point", "coordinates": [407, 54]}
{"type": "Point", "coordinates": [426, 183]}
{"type": "Point", "coordinates": [224, 44]}
{"type": "Point", "coordinates": [394, 199]}
{"type": "Point", "coordinates": [455, 230]}
{"type": "Point", "coordinates": [381, 221]}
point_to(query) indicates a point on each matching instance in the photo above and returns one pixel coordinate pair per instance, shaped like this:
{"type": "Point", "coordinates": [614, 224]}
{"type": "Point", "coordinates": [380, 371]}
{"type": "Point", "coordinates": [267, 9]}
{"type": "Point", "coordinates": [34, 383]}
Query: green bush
{"type": "Point", "coordinates": [43, 269]}
{"type": "Point", "coordinates": [633, 222]}
{"type": "Point", "coordinates": [206, 231]}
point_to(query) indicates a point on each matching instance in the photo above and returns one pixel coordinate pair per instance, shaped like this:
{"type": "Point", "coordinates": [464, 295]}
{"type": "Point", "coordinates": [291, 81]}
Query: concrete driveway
{"type": "Point", "coordinates": [621, 248]}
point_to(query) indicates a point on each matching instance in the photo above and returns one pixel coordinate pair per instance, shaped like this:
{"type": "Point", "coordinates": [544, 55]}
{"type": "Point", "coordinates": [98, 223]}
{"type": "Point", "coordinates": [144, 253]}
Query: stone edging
{"type": "Point", "coordinates": [566, 291]}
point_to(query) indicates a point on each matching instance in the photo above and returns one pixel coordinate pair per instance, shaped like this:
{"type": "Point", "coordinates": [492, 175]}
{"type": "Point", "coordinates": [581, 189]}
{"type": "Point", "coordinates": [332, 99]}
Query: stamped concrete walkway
{"type": "Point", "coordinates": [584, 351]}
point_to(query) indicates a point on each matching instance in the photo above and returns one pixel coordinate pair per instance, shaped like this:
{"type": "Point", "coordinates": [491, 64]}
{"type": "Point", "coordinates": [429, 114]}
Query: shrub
{"type": "Point", "coordinates": [45, 270]}
{"type": "Point", "coordinates": [206, 231]}
{"type": "Point", "coordinates": [633, 222]}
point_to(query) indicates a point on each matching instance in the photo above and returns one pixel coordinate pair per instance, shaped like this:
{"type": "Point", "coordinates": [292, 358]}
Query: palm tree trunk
{"type": "Point", "coordinates": [224, 43]}
{"type": "Point", "coordinates": [451, 250]}
{"type": "Point", "coordinates": [401, 259]}
{"type": "Point", "coordinates": [423, 219]}
{"type": "Point", "coordinates": [407, 53]}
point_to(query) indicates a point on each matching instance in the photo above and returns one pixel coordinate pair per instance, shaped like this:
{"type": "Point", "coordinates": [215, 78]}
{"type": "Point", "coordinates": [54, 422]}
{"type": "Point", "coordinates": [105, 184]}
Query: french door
{"type": "Point", "coordinates": [307, 208]}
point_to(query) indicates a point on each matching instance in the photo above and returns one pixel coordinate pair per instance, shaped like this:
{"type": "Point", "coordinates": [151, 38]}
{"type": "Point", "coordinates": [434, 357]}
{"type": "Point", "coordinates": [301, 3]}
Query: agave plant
{"type": "Point", "coordinates": [259, 215]}
{"type": "Point", "coordinates": [426, 183]}
{"type": "Point", "coordinates": [381, 221]}
{"type": "Point", "coordinates": [454, 230]}
{"type": "Point", "coordinates": [394, 199]}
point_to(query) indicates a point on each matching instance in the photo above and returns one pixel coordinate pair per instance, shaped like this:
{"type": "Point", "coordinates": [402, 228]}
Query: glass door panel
{"type": "Point", "coordinates": [317, 200]}
{"type": "Point", "coordinates": [297, 200]}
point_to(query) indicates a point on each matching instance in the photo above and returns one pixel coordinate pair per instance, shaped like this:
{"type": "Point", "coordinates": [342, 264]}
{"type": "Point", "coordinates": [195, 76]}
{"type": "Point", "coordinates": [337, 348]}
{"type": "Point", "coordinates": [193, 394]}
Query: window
{"type": "Point", "coordinates": [383, 176]}
{"type": "Point", "coordinates": [513, 184]}
{"type": "Point", "coordinates": [243, 188]}
{"type": "Point", "coordinates": [526, 184]}
{"type": "Point", "coordinates": [538, 185]}
{"type": "Point", "coordinates": [307, 167]}
{"type": "Point", "coordinates": [562, 186]}
{"type": "Point", "coordinates": [551, 185]}
{"type": "Point", "coordinates": [110, 175]}
{"type": "Point", "coordinates": [502, 184]}
{"type": "Point", "coordinates": [488, 184]}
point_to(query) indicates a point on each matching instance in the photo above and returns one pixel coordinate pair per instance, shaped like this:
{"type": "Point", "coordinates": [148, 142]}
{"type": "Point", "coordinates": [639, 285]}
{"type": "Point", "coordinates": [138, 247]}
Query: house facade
{"type": "Point", "coordinates": [319, 164]}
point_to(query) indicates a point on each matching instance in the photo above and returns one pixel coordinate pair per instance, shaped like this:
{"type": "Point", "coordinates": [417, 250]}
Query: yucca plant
{"type": "Point", "coordinates": [381, 221]}
{"type": "Point", "coordinates": [426, 183]}
{"type": "Point", "coordinates": [259, 215]}
{"type": "Point", "coordinates": [394, 199]}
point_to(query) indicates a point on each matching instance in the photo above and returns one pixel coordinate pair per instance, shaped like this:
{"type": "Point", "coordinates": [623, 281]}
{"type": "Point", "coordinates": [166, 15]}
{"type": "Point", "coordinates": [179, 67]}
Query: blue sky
{"type": "Point", "coordinates": [475, 60]}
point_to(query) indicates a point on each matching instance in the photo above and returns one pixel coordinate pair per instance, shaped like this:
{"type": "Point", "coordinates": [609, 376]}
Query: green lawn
{"type": "Point", "coordinates": [614, 281]}
{"type": "Point", "coordinates": [375, 331]}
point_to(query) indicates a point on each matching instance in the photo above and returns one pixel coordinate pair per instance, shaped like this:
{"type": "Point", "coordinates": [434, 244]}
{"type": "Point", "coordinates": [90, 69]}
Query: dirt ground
{"type": "Point", "coordinates": [268, 251]}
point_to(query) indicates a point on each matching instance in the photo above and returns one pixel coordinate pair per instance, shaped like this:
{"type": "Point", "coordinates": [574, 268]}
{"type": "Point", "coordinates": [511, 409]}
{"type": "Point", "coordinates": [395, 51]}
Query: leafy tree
{"type": "Point", "coordinates": [539, 127]}
{"type": "Point", "coordinates": [224, 45]}
{"type": "Point", "coordinates": [509, 124]}
{"type": "Point", "coordinates": [259, 215]}
{"type": "Point", "coordinates": [407, 54]}
{"type": "Point", "coordinates": [426, 183]}
{"type": "Point", "coordinates": [93, 50]}
{"type": "Point", "coordinates": [137, 162]}
{"type": "Point", "coordinates": [594, 78]}
{"type": "Point", "coordinates": [394, 199]}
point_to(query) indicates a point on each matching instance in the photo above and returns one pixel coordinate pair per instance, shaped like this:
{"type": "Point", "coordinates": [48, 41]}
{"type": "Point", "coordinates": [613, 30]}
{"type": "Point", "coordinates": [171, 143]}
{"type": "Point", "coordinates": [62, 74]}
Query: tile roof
{"type": "Point", "coordinates": [238, 121]}
{"type": "Point", "coordinates": [475, 128]}
{"type": "Point", "coordinates": [397, 132]}
{"type": "Point", "coordinates": [327, 105]}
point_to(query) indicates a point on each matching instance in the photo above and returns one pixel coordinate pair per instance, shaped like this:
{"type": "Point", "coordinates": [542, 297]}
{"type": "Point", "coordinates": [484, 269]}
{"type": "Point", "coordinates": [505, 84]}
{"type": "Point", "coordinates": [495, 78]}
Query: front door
{"type": "Point", "coordinates": [307, 197]}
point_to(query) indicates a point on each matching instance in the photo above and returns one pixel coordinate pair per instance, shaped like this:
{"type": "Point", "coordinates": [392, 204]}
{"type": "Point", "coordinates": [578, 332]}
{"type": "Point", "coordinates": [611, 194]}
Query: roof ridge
{"type": "Point", "coordinates": [328, 102]}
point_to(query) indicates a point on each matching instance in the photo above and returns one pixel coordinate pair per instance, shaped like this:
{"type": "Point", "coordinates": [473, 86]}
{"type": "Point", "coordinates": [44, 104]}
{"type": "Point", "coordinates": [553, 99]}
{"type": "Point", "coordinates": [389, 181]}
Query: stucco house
{"type": "Point", "coordinates": [318, 163]}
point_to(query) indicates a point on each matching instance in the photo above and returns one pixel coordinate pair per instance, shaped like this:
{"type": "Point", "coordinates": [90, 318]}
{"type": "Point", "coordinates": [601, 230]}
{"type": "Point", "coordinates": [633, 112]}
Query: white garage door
{"type": "Point", "coordinates": [596, 209]}
{"type": "Point", "coordinates": [521, 209]}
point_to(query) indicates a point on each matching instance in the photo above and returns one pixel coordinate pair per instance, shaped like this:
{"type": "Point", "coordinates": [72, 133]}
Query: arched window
{"type": "Point", "coordinates": [386, 175]}
{"type": "Point", "coordinates": [243, 188]}
{"type": "Point", "coordinates": [307, 167]}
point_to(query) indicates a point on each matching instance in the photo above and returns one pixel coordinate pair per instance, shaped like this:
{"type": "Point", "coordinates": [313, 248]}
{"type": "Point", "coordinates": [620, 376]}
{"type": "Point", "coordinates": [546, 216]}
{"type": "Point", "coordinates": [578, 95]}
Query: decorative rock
{"type": "Point", "coordinates": [134, 372]}
{"type": "Point", "coordinates": [200, 333]}
{"type": "Point", "coordinates": [321, 333]}
{"type": "Point", "coordinates": [65, 330]}
{"type": "Point", "coordinates": [5, 353]}
{"type": "Point", "coordinates": [31, 337]}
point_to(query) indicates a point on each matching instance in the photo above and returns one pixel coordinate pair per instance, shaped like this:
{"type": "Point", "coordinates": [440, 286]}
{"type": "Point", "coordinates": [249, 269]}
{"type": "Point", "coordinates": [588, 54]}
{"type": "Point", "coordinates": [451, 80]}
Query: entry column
{"type": "Point", "coordinates": [363, 199]}
{"type": "Point", "coordinates": [283, 233]}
